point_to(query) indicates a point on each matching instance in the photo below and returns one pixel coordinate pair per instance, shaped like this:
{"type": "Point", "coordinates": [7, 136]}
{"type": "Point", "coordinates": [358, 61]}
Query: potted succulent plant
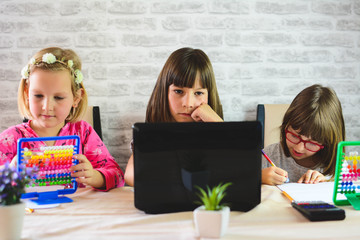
{"type": "Point", "coordinates": [12, 185]}
{"type": "Point", "coordinates": [212, 218]}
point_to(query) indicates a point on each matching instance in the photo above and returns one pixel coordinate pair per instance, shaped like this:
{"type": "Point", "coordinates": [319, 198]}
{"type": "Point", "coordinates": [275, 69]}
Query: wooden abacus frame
{"type": "Point", "coordinates": [52, 164]}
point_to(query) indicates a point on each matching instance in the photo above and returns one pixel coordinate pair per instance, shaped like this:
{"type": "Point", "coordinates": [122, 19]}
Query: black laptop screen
{"type": "Point", "coordinates": [171, 158]}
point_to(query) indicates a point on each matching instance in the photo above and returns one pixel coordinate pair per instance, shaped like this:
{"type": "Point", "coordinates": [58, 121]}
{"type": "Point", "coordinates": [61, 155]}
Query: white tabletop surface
{"type": "Point", "coordinates": [112, 215]}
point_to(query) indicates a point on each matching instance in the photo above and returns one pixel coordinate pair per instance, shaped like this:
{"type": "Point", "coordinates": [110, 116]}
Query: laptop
{"type": "Point", "coordinates": [171, 159]}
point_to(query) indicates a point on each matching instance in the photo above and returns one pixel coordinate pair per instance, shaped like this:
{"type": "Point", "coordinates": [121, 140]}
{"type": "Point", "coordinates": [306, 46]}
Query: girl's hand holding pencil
{"type": "Point", "coordinates": [273, 175]}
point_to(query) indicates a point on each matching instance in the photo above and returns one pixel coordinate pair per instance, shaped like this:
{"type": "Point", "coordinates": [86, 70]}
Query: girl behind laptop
{"type": "Point", "coordinates": [185, 91]}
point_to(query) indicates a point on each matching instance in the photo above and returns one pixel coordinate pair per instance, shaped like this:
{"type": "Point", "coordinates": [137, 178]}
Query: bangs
{"type": "Point", "coordinates": [311, 124]}
{"type": "Point", "coordinates": [184, 73]}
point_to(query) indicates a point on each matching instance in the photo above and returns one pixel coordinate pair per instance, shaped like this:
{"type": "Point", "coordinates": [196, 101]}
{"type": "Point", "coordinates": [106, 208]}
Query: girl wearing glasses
{"type": "Point", "coordinates": [311, 129]}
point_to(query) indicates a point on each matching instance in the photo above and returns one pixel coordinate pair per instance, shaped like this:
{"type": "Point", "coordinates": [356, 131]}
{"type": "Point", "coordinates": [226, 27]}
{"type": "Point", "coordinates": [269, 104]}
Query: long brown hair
{"type": "Point", "coordinates": [316, 111]}
{"type": "Point", "coordinates": [181, 69]}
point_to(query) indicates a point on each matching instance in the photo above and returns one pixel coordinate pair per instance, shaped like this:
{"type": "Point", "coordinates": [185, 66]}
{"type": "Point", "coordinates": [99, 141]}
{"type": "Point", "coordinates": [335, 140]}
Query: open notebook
{"type": "Point", "coordinates": [309, 192]}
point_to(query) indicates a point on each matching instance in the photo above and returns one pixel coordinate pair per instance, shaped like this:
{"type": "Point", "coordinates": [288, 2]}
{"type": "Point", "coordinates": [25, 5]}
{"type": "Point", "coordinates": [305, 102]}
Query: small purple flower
{"type": "Point", "coordinates": [13, 182]}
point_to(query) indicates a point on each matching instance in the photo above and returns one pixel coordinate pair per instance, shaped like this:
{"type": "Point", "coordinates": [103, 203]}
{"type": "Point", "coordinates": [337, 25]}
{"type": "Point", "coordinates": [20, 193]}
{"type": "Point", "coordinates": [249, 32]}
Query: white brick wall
{"type": "Point", "coordinates": [263, 51]}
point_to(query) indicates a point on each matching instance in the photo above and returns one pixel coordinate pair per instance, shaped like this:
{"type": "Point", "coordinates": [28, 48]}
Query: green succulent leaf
{"type": "Point", "coordinates": [211, 197]}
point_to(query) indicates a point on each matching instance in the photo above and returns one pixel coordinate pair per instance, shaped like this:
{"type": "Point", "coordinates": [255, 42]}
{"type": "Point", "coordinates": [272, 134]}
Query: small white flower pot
{"type": "Point", "coordinates": [11, 221]}
{"type": "Point", "coordinates": [211, 224]}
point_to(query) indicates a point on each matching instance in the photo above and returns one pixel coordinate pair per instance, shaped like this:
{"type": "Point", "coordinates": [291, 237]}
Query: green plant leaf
{"type": "Point", "coordinates": [212, 197]}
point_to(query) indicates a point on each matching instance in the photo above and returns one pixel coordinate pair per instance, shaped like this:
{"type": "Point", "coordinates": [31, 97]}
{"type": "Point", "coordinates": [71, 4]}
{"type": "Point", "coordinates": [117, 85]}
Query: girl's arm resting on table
{"type": "Point", "coordinates": [102, 178]}
{"type": "Point", "coordinates": [273, 176]}
{"type": "Point", "coordinates": [101, 160]}
{"type": "Point", "coordinates": [113, 176]}
{"type": "Point", "coordinates": [129, 172]}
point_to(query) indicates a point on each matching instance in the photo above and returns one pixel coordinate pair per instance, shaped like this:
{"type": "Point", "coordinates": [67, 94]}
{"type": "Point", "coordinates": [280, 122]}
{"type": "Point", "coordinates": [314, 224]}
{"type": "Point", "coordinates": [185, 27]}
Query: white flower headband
{"type": "Point", "coordinates": [49, 58]}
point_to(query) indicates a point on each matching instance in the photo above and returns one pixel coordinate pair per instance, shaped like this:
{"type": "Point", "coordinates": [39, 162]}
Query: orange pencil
{"type": "Point", "coordinates": [288, 196]}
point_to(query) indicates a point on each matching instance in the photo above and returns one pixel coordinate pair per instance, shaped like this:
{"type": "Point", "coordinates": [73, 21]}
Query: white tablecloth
{"type": "Point", "coordinates": [112, 215]}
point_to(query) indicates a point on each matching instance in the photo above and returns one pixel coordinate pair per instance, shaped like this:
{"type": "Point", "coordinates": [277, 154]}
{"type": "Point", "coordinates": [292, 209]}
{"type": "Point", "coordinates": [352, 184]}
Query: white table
{"type": "Point", "coordinates": [112, 215]}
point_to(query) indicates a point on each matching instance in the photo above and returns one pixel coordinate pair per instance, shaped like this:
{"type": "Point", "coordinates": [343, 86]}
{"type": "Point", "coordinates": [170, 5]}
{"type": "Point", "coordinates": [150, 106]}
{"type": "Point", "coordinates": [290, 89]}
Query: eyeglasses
{"type": "Point", "coordinates": [311, 146]}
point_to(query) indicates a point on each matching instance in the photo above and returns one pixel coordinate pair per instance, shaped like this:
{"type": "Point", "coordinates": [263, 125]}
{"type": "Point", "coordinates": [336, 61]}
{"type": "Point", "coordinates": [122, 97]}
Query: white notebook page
{"type": "Point", "coordinates": [309, 192]}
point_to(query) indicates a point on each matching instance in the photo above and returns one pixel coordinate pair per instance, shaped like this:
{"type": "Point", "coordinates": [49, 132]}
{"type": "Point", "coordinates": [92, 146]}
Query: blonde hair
{"type": "Point", "coordinates": [63, 57]}
{"type": "Point", "coordinates": [181, 69]}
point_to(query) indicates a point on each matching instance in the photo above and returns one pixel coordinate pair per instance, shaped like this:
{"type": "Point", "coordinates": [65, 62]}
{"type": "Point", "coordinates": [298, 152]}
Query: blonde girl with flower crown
{"type": "Point", "coordinates": [52, 96]}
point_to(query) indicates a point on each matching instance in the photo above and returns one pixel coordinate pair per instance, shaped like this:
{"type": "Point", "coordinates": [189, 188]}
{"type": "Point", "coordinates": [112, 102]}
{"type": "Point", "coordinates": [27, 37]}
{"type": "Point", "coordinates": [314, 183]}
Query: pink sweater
{"type": "Point", "coordinates": [90, 145]}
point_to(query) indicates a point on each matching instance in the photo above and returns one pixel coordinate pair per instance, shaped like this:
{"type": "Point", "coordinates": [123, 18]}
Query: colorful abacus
{"type": "Point", "coordinates": [347, 175]}
{"type": "Point", "coordinates": [53, 168]}
{"type": "Point", "coordinates": [53, 164]}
